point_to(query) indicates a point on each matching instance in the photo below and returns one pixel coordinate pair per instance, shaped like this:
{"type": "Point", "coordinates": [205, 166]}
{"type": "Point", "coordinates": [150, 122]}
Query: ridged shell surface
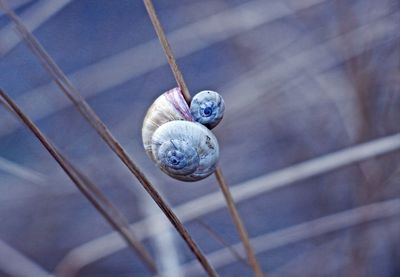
{"type": "Point", "coordinates": [181, 147]}
{"type": "Point", "coordinates": [207, 107]}
{"type": "Point", "coordinates": [167, 107]}
{"type": "Point", "coordinates": [185, 150]}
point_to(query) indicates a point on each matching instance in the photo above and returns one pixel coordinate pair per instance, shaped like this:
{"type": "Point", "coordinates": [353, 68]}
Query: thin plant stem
{"type": "Point", "coordinates": [167, 50]}
{"type": "Point", "coordinates": [87, 112]}
{"type": "Point", "coordinates": [218, 173]}
{"type": "Point", "coordinates": [88, 189]}
{"type": "Point", "coordinates": [109, 244]}
{"type": "Point", "coordinates": [384, 210]}
{"type": "Point", "coordinates": [34, 16]}
{"type": "Point", "coordinates": [222, 241]}
{"type": "Point", "coordinates": [251, 256]}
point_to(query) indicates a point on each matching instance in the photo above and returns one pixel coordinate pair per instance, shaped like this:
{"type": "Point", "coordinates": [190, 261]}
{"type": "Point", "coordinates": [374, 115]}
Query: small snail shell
{"type": "Point", "coordinates": [181, 147]}
{"type": "Point", "coordinates": [207, 108]}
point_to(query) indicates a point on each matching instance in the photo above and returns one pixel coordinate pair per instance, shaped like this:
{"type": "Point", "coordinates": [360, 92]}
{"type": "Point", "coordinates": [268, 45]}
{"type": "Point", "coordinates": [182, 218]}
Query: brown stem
{"type": "Point", "coordinates": [73, 94]}
{"type": "Point", "coordinates": [222, 241]}
{"type": "Point", "coordinates": [167, 50]}
{"type": "Point", "coordinates": [218, 173]}
{"type": "Point", "coordinates": [87, 188]}
{"type": "Point", "coordinates": [251, 257]}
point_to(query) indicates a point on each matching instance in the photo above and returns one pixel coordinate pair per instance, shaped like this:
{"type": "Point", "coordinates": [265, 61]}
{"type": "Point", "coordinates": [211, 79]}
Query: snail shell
{"type": "Point", "coordinates": [181, 147]}
{"type": "Point", "coordinates": [207, 108]}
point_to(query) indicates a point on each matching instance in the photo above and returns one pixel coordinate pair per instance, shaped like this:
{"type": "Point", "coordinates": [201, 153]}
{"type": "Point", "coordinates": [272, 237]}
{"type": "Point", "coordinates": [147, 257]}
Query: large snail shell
{"type": "Point", "coordinates": [185, 150]}
{"type": "Point", "coordinates": [182, 148]}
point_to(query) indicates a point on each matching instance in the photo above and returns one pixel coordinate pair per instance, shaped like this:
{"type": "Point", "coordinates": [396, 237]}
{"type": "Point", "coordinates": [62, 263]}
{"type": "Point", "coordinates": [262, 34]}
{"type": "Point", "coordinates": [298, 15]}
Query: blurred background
{"type": "Point", "coordinates": [306, 82]}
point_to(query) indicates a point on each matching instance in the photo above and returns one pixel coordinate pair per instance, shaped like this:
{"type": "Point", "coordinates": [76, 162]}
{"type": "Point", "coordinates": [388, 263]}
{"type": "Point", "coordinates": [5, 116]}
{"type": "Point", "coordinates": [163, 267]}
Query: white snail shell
{"type": "Point", "coordinates": [181, 147]}
{"type": "Point", "coordinates": [207, 107]}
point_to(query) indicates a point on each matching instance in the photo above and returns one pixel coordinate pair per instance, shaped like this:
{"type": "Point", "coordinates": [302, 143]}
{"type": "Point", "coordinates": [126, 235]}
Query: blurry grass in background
{"type": "Point", "coordinates": [301, 79]}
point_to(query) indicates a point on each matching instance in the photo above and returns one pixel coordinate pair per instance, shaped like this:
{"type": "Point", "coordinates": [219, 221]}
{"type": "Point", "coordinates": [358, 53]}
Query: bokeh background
{"type": "Point", "coordinates": [302, 80]}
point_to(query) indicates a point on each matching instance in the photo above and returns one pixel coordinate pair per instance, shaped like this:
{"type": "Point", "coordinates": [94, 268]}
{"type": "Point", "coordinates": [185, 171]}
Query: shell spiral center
{"type": "Point", "coordinates": [178, 156]}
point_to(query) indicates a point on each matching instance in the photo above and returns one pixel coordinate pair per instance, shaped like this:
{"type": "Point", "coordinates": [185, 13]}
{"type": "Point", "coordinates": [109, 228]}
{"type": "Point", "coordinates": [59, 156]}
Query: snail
{"type": "Point", "coordinates": [176, 137]}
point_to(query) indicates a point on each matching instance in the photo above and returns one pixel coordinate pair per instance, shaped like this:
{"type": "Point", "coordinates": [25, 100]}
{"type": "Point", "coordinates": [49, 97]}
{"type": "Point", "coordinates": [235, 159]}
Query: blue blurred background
{"type": "Point", "coordinates": [301, 79]}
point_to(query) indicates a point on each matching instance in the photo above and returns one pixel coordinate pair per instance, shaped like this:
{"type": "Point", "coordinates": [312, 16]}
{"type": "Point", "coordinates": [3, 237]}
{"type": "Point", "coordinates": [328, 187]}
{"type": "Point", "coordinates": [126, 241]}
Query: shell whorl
{"type": "Point", "coordinates": [207, 107]}
{"type": "Point", "coordinates": [185, 150]}
{"type": "Point", "coordinates": [181, 147]}
{"type": "Point", "coordinates": [167, 107]}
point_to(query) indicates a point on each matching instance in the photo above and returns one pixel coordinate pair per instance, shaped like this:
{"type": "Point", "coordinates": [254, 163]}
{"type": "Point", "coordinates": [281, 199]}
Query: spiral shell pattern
{"type": "Point", "coordinates": [207, 107]}
{"type": "Point", "coordinates": [181, 147]}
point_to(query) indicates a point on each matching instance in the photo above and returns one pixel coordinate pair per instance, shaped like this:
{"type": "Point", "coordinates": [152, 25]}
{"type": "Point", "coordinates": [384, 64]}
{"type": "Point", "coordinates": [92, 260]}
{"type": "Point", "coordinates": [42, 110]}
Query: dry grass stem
{"type": "Point", "coordinates": [218, 173]}
{"type": "Point", "coordinates": [34, 17]}
{"type": "Point", "coordinates": [87, 112]}
{"type": "Point", "coordinates": [91, 192]}
{"type": "Point", "coordinates": [222, 241]}
{"type": "Point", "coordinates": [112, 72]}
{"type": "Point", "coordinates": [307, 230]}
{"type": "Point", "coordinates": [101, 247]}
{"type": "Point", "coordinates": [167, 50]}
{"type": "Point", "coordinates": [330, 133]}
{"type": "Point", "coordinates": [252, 259]}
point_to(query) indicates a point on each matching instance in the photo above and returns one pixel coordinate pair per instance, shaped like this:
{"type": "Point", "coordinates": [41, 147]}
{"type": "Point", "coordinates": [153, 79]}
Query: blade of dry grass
{"type": "Point", "coordinates": [218, 173]}
{"type": "Point", "coordinates": [112, 71]}
{"type": "Point", "coordinates": [34, 17]}
{"type": "Point", "coordinates": [259, 79]}
{"type": "Point", "coordinates": [167, 50]}
{"type": "Point", "coordinates": [101, 247]}
{"type": "Point", "coordinates": [307, 230]}
{"type": "Point", "coordinates": [15, 4]}
{"type": "Point", "coordinates": [87, 112]}
{"type": "Point", "coordinates": [95, 196]}
{"type": "Point", "coordinates": [252, 259]}
{"type": "Point", "coordinates": [222, 241]}
{"type": "Point", "coordinates": [14, 263]}
{"type": "Point", "coordinates": [18, 170]}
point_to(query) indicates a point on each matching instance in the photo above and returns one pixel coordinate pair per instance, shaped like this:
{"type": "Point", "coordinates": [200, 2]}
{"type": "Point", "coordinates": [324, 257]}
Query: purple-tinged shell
{"type": "Point", "coordinates": [181, 147]}
{"type": "Point", "coordinates": [167, 107]}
